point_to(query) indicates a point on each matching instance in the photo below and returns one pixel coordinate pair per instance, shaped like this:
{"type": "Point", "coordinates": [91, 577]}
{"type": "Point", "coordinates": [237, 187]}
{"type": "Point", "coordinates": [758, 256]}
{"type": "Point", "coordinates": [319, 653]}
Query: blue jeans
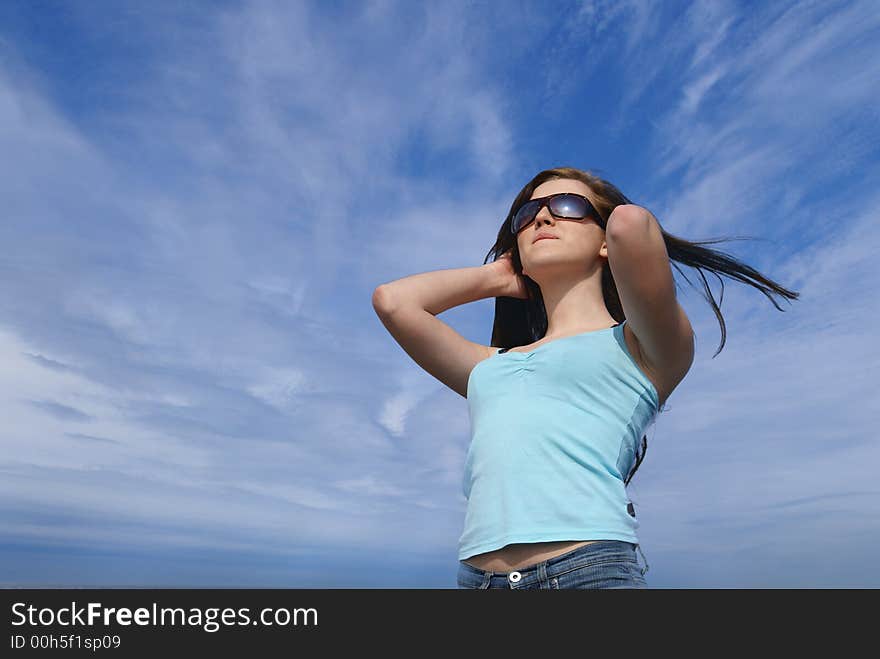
{"type": "Point", "coordinates": [600, 564]}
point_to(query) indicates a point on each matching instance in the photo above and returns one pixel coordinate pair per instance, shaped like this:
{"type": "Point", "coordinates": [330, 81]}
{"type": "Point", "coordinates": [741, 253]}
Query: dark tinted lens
{"type": "Point", "coordinates": [524, 215]}
{"type": "Point", "coordinates": [569, 205]}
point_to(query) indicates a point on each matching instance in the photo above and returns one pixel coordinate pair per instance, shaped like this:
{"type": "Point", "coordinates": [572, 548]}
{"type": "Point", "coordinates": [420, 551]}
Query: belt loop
{"type": "Point", "coordinates": [639, 547]}
{"type": "Point", "coordinates": [487, 579]}
{"type": "Point", "coordinates": [542, 572]}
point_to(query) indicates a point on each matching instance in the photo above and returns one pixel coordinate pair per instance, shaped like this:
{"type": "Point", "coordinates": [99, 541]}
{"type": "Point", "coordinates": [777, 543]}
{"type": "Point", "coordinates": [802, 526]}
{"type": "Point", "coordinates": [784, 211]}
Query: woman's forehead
{"type": "Point", "coordinates": [561, 185]}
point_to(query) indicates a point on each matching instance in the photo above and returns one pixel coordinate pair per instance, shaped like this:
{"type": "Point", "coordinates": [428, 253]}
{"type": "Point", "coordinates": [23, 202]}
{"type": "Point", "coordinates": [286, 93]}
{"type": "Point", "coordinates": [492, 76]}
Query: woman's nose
{"type": "Point", "coordinates": [544, 215]}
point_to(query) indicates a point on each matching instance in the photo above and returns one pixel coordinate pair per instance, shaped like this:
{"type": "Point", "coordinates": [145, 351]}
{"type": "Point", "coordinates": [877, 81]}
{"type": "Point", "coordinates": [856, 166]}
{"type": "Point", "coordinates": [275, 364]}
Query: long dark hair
{"type": "Point", "coordinates": [521, 322]}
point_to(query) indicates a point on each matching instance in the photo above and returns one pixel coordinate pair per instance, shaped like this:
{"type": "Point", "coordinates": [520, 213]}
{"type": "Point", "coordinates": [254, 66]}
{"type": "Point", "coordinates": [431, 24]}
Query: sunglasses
{"type": "Point", "coordinates": [562, 205]}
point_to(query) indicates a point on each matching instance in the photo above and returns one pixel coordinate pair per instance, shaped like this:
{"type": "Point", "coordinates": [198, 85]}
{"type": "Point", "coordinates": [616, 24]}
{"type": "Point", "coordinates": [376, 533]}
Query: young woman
{"type": "Point", "coordinates": [588, 343]}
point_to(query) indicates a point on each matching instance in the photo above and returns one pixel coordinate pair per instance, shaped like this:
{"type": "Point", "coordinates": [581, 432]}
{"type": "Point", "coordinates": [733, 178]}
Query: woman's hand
{"type": "Point", "coordinates": [510, 283]}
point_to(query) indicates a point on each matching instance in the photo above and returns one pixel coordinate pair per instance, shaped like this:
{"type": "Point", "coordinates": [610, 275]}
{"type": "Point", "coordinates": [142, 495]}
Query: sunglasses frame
{"type": "Point", "coordinates": [592, 213]}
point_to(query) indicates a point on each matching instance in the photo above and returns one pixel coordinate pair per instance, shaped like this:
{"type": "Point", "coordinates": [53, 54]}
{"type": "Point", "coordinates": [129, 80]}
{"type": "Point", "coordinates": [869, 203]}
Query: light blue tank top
{"type": "Point", "coordinates": [554, 433]}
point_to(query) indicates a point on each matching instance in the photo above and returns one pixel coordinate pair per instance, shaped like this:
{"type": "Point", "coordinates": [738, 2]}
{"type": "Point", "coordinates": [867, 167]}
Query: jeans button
{"type": "Point", "coordinates": [514, 577]}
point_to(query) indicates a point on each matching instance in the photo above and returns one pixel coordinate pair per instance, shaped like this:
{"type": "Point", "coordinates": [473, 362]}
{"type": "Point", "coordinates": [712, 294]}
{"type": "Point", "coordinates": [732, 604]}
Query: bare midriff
{"type": "Point", "coordinates": [519, 556]}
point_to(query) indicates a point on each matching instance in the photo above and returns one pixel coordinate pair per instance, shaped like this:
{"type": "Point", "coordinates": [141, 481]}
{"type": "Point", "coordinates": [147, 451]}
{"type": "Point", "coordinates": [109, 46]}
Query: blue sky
{"type": "Point", "coordinates": [201, 197]}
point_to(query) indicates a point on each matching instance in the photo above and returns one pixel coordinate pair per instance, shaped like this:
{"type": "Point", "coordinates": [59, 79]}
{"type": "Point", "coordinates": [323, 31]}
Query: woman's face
{"type": "Point", "coordinates": [577, 244]}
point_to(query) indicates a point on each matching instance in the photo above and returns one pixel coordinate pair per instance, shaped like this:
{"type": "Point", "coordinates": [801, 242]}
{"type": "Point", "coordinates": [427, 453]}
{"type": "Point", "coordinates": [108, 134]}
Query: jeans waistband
{"type": "Point", "coordinates": [593, 553]}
